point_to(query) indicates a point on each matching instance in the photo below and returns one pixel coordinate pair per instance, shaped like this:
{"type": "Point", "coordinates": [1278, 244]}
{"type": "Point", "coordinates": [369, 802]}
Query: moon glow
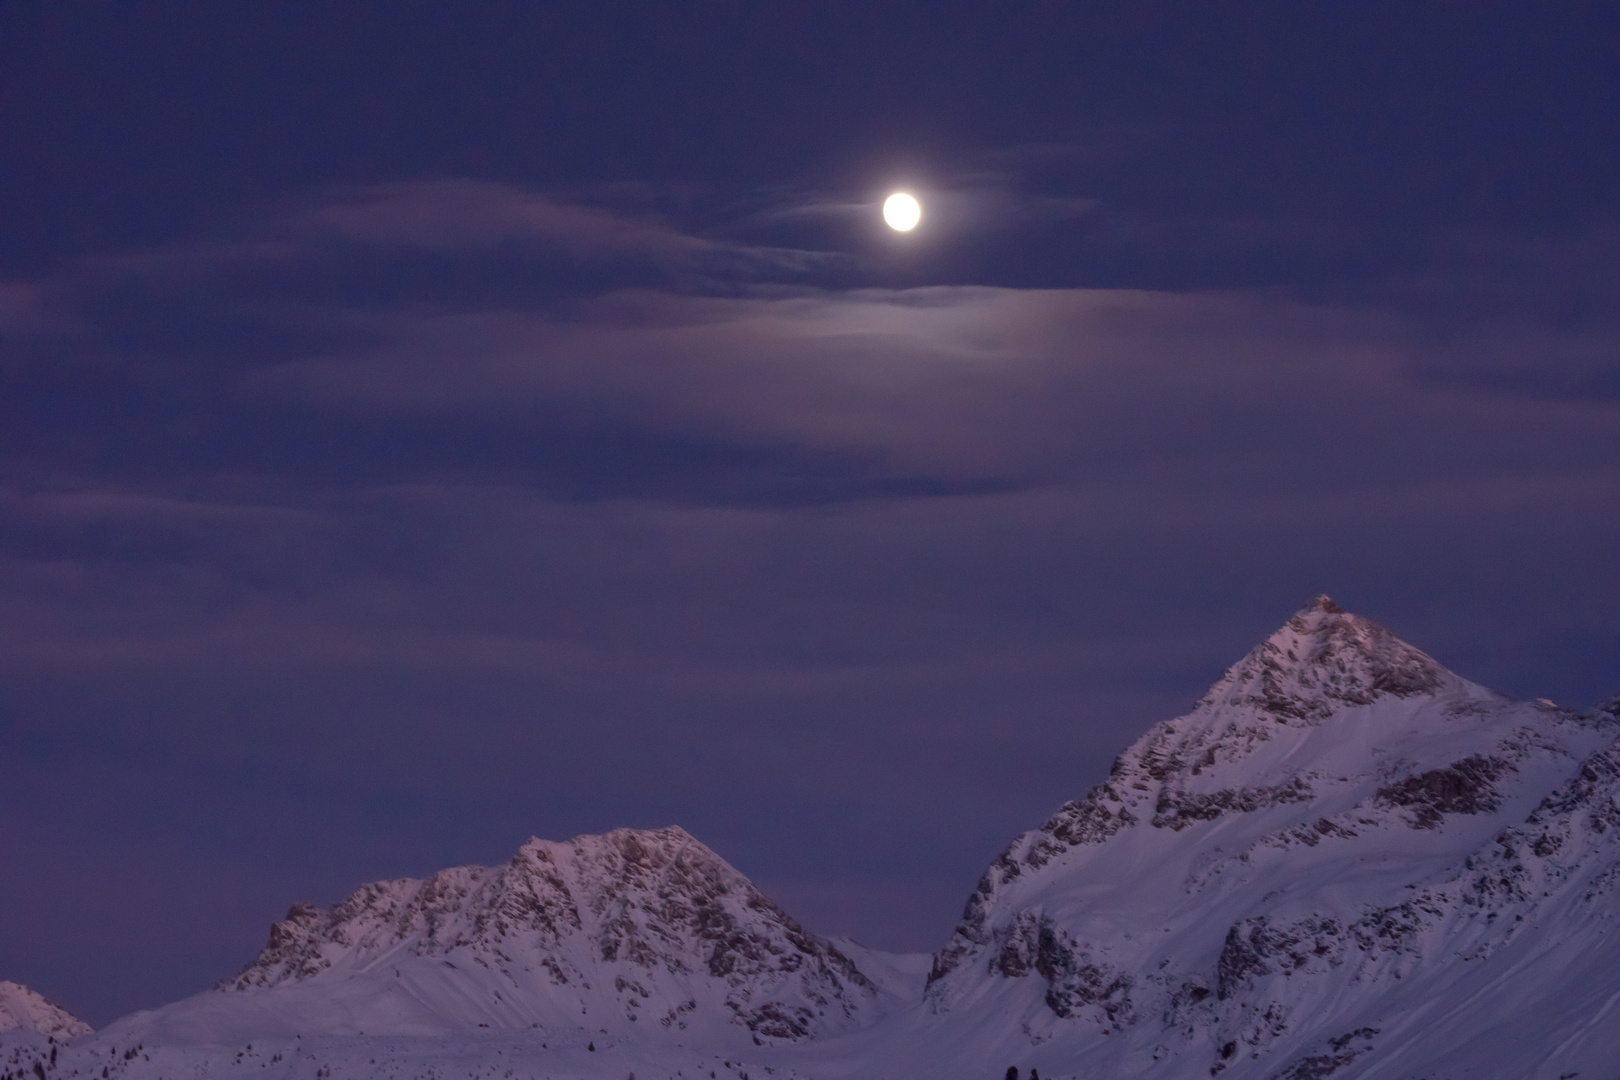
{"type": "Point", "coordinates": [901, 212]}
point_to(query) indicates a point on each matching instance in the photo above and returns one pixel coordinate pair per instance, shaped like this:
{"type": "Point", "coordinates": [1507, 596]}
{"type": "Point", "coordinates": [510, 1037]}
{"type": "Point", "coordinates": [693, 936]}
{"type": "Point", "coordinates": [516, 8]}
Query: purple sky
{"type": "Point", "coordinates": [425, 428]}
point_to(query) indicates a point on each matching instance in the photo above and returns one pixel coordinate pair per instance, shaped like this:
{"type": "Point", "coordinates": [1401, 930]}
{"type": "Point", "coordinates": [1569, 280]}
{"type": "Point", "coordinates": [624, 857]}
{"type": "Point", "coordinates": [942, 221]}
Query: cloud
{"type": "Point", "coordinates": [964, 384]}
{"type": "Point", "coordinates": [466, 220]}
{"type": "Point", "coordinates": [790, 395]}
{"type": "Point", "coordinates": [458, 216]}
{"type": "Point", "coordinates": [30, 309]}
{"type": "Point", "coordinates": [384, 335]}
{"type": "Point", "coordinates": [1045, 215]}
{"type": "Point", "coordinates": [1534, 320]}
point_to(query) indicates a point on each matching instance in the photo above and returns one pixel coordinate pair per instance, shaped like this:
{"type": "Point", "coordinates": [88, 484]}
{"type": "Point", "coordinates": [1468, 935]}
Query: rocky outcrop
{"type": "Point", "coordinates": [1463, 787]}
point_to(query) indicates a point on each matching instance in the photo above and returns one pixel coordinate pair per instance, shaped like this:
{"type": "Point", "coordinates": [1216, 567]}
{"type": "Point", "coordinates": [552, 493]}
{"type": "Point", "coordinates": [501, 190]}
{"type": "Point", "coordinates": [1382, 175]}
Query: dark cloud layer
{"type": "Point", "coordinates": [370, 523]}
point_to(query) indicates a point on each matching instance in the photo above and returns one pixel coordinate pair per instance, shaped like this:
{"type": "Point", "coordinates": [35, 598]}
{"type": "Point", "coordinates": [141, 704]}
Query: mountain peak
{"type": "Point", "coordinates": [1249, 745]}
{"type": "Point", "coordinates": [1325, 658]}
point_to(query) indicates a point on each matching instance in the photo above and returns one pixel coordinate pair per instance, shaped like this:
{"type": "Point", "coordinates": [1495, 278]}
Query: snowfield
{"type": "Point", "coordinates": [1345, 861]}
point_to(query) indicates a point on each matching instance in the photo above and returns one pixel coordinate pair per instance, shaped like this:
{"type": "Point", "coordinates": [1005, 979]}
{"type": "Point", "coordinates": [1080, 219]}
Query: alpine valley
{"type": "Point", "coordinates": [1345, 861]}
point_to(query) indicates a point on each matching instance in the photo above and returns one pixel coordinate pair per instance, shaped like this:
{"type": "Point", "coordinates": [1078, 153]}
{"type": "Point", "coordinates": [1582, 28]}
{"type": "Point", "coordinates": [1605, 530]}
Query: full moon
{"type": "Point", "coordinates": [901, 212]}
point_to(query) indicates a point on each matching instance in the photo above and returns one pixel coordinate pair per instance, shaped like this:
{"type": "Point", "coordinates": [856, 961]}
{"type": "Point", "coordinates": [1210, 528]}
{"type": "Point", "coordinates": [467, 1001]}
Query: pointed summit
{"type": "Point", "coordinates": [1325, 658]}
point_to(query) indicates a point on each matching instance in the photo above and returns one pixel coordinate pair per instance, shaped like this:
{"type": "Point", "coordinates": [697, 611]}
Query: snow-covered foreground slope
{"type": "Point", "coordinates": [1345, 861]}
{"type": "Point", "coordinates": [23, 1009]}
{"type": "Point", "coordinates": [637, 933]}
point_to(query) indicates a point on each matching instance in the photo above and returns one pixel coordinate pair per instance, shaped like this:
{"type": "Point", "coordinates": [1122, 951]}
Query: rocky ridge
{"type": "Point", "coordinates": [23, 1009]}
{"type": "Point", "coordinates": [647, 931]}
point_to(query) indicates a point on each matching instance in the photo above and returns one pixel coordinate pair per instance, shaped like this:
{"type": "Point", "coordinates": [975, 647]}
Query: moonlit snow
{"type": "Point", "coordinates": [1345, 861]}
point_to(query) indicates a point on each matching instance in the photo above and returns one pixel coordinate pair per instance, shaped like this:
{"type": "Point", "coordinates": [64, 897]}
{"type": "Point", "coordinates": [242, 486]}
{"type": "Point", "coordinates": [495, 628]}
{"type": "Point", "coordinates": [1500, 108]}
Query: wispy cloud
{"type": "Point", "coordinates": [459, 216]}
{"type": "Point", "coordinates": [468, 220]}
{"type": "Point", "coordinates": [765, 386]}
{"type": "Point", "coordinates": [1532, 319]}
{"type": "Point", "coordinates": [29, 309]}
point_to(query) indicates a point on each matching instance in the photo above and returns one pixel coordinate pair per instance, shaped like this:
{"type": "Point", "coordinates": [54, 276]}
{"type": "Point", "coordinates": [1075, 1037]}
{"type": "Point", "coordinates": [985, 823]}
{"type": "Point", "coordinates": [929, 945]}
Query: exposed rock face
{"type": "Point", "coordinates": [1335, 823]}
{"type": "Point", "coordinates": [1463, 787]}
{"type": "Point", "coordinates": [650, 929]}
{"type": "Point", "coordinates": [21, 1008]}
{"type": "Point", "coordinates": [1324, 659]}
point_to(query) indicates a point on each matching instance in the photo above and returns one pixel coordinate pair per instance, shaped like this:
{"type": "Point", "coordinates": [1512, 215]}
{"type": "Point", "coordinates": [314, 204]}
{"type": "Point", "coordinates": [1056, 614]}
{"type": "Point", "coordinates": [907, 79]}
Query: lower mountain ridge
{"type": "Point", "coordinates": [631, 932]}
{"type": "Point", "coordinates": [1344, 861]}
{"type": "Point", "coordinates": [21, 1009]}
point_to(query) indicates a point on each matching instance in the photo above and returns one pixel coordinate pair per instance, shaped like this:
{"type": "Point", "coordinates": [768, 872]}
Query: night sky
{"type": "Point", "coordinates": [423, 427]}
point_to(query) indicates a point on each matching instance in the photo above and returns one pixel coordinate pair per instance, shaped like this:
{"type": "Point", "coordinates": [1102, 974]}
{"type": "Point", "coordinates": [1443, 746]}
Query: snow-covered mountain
{"type": "Point", "coordinates": [23, 1009]}
{"type": "Point", "coordinates": [1345, 861]}
{"type": "Point", "coordinates": [634, 932]}
{"type": "Point", "coordinates": [1344, 854]}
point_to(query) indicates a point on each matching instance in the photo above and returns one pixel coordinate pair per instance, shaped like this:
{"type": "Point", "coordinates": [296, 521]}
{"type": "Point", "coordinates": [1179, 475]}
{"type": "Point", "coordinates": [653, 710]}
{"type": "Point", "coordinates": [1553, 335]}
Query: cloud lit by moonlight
{"type": "Point", "coordinates": [902, 212]}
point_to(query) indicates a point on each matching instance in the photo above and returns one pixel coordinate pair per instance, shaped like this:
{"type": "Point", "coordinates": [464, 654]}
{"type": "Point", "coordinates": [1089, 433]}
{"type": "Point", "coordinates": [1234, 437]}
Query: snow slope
{"type": "Point", "coordinates": [648, 933]}
{"type": "Point", "coordinates": [21, 1008]}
